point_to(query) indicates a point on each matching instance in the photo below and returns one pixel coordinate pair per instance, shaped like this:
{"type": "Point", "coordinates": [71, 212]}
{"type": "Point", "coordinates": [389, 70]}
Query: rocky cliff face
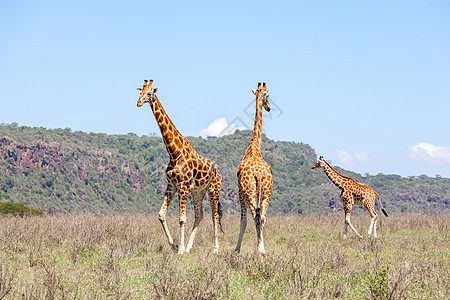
{"type": "Point", "coordinates": [23, 160]}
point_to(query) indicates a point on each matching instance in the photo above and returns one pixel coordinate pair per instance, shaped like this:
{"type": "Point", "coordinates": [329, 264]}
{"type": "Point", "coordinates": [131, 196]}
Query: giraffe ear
{"type": "Point", "coordinates": [155, 90]}
{"type": "Point", "coordinates": [139, 89]}
{"type": "Point", "coordinates": [254, 91]}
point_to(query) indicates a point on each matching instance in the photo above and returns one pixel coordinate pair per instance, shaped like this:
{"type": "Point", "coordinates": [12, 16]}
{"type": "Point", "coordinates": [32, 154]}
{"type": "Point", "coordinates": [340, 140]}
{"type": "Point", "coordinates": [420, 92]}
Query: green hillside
{"type": "Point", "coordinates": [64, 171]}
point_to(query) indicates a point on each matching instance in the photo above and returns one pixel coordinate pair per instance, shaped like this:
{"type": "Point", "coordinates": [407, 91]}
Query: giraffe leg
{"type": "Point", "coordinates": [348, 212]}
{"type": "Point", "coordinates": [197, 198]}
{"type": "Point", "coordinates": [170, 192]}
{"type": "Point", "coordinates": [345, 230]}
{"type": "Point", "coordinates": [369, 205]}
{"type": "Point", "coordinates": [183, 194]}
{"type": "Point", "coordinates": [347, 222]}
{"type": "Point", "coordinates": [259, 235]}
{"type": "Point", "coordinates": [243, 223]}
{"type": "Point", "coordinates": [214, 194]}
{"type": "Point", "coordinates": [256, 214]}
{"type": "Point", "coordinates": [265, 198]}
{"type": "Point", "coordinates": [267, 194]}
{"type": "Point", "coordinates": [375, 227]}
{"type": "Point", "coordinates": [247, 188]}
{"type": "Point", "coordinates": [373, 223]}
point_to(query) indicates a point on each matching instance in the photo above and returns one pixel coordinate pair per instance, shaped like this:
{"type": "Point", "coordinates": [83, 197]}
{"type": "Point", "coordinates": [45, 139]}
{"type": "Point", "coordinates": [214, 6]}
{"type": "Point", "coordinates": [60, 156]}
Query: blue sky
{"type": "Point", "coordinates": [365, 83]}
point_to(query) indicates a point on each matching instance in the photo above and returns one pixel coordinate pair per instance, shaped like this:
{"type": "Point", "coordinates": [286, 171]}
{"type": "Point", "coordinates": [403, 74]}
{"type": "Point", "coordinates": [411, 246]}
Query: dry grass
{"type": "Point", "coordinates": [123, 257]}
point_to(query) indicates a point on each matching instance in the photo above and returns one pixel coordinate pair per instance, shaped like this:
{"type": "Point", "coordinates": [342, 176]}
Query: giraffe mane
{"type": "Point", "coordinates": [346, 177]}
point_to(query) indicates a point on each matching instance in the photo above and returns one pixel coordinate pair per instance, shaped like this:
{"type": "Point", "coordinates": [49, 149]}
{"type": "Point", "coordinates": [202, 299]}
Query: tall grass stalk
{"type": "Point", "coordinates": [127, 257]}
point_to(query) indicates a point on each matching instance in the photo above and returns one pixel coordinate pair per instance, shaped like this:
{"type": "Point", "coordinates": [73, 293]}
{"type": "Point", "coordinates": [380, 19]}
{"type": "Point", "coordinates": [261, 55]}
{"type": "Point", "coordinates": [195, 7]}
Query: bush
{"type": "Point", "coordinates": [18, 209]}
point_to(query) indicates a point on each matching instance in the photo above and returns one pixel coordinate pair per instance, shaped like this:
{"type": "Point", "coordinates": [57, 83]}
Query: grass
{"type": "Point", "coordinates": [127, 257]}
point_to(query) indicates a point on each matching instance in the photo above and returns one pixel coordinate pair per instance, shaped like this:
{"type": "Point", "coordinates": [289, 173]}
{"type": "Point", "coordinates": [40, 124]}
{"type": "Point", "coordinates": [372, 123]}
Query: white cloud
{"type": "Point", "coordinates": [344, 157]}
{"type": "Point", "coordinates": [219, 127]}
{"type": "Point", "coordinates": [362, 156]}
{"type": "Point", "coordinates": [348, 159]}
{"type": "Point", "coordinates": [430, 153]}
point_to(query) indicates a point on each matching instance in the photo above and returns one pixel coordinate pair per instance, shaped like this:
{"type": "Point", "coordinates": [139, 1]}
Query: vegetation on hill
{"type": "Point", "coordinates": [18, 209]}
{"type": "Point", "coordinates": [61, 170]}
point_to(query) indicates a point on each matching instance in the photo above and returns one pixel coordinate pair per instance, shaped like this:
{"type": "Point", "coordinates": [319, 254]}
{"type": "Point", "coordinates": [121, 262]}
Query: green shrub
{"type": "Point", "coordinates": [378, 283]}
{"type": "Point", "coordinates": [18, 209]}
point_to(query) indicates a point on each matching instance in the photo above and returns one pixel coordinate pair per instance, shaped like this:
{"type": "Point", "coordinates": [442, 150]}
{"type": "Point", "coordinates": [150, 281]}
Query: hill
{"type": "Point", "coordinates": [77, 172]}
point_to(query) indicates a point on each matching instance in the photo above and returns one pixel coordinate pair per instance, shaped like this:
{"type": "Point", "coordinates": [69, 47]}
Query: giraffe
{"type": "Point", "coordinates": [255, 176]}
{"type": "Point", "coordinates": [187, 172]}
{"type": "Point", "coordinates": [352, 193]}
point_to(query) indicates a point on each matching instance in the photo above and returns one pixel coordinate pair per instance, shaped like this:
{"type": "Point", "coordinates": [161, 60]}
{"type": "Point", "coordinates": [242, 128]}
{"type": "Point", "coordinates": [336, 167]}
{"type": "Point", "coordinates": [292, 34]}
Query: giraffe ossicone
{"type": "Point", "coordinates": [187, 173]}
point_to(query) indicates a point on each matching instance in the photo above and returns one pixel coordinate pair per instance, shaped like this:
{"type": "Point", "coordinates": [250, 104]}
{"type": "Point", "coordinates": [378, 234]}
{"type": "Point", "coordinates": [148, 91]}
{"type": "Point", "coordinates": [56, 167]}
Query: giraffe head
{"type": "Point", "coordinates": [147, 93]}
{"type": "Point", "coordinates": [264, 93]}
{"type": "Point", "coordinates": [319, 163]}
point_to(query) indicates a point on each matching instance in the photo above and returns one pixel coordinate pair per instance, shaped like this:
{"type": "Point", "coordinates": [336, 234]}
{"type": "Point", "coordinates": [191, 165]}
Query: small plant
{"type": "Point", "coordinates": [7, 277]}
{"type": "Point", "coordinates": [18, 209]}
{"type": "Point", "coordinates": [378, 283]}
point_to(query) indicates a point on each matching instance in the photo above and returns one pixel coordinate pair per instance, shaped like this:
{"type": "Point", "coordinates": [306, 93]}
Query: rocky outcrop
{"type": "Point", "coordinates": [22, 160]}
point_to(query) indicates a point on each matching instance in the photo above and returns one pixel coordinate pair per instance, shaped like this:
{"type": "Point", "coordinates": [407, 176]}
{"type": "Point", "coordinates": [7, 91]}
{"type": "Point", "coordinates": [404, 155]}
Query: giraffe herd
{"type": "Point", "coordinates": [190, 173]}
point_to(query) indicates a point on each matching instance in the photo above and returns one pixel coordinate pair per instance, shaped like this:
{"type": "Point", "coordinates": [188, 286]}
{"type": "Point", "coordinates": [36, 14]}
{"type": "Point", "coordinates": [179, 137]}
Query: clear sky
{"type": "Point", "coordinates": [365, 83]}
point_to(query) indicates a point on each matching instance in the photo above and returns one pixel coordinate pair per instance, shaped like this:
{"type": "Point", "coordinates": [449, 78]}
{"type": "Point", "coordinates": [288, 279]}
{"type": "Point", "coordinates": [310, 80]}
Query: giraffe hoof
{"type": "Point", "coordinates": [174, 247]}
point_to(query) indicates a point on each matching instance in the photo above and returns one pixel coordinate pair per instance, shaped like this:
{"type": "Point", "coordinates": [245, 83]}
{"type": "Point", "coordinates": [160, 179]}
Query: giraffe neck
{"type": "Point", "coordinates": [254, 149]}
{"type": "Point", "coordinates": [173, 139]}
{"type": "Point", "coordinates": [334, 176]}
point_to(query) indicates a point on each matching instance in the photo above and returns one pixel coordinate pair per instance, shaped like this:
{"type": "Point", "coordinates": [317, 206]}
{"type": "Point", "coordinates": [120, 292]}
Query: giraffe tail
{"type": "Point", "coordinates": [220, 212]}
{"type": "Point", "coordinates": [258, 204]}
{"type": "Point", "coordinates": [382, 209]}
{"type": "Point", "coordinates": [258, 218]}
{"type": "Point", "coordinates": [216, 173]}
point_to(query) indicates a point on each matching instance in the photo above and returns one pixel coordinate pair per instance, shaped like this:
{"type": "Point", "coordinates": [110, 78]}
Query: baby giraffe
{"type": "Point", "coordinates": [352, 193]}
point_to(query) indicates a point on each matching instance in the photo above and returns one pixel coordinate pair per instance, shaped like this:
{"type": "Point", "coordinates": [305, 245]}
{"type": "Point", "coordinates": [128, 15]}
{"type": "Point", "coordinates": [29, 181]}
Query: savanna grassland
{"type": "Point", "coordinates": [127, 257]}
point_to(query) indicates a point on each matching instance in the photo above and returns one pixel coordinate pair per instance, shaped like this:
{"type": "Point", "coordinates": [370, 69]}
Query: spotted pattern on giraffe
{"type": "Point", "coordinates": [187, 173]}
{"type": "Point", "coordinates": [255, 176]}
{"type": "Point", "coordinates": [353, 193]}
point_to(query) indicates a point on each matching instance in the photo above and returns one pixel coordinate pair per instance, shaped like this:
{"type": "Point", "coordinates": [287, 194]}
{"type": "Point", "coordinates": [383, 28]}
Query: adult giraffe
{"type": "Point", "coordinates": [352, 193]}
{"type": "Point", "coordinates": [187, 172]}
{"type": "Point", "coordinates": [255, 176]}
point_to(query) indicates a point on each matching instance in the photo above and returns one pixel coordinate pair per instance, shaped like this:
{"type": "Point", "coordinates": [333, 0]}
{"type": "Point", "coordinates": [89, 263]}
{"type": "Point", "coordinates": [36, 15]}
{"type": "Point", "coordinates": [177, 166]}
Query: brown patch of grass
{"type": "Point", "coordinates": [123, 257]}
